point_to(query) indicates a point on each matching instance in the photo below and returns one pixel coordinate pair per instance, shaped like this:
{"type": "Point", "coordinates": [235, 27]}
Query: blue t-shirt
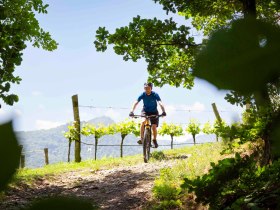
{"type": "Point", "coordinates": [150, 101]}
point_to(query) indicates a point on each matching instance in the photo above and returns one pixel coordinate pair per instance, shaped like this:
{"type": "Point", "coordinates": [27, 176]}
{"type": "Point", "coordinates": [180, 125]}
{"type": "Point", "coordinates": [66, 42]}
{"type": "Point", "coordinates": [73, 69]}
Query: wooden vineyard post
{"type": "Point", "coordinates": [46, 151]}
{"type": "Point", "coordinates": [78, 128]}
{"type": "Point", "coordinates": [22, 161]}
{"type": "Point", "coordinates": [20, 152]}
{"type": "Point", "coordinates": [218, 117]}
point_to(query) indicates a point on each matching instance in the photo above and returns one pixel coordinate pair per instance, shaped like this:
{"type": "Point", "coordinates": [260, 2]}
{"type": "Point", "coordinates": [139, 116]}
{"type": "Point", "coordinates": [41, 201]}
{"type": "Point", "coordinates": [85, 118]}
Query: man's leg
{"type": "Point", "coordinates": [154, 128]}
{"type": "Point", "coordinates": [142, 132]}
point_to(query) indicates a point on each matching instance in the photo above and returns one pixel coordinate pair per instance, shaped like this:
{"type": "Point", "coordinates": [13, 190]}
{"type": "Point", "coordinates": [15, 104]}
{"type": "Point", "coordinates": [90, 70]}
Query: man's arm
{"type": "Point", "coordinates": [134, 106]}
{"type": "Point", "coordinates": [161, 106]}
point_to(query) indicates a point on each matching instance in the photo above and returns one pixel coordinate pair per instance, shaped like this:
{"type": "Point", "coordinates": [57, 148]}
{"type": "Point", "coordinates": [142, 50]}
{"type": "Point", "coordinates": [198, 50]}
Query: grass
{"type": "Point", "coordinates": [167, 191]}
{"type": "Point", "coordinates": [189, 162]}
{"type": "Point", "coordinates": [200, 156]}
{"type": "Point", "coordinates": [29, 175]}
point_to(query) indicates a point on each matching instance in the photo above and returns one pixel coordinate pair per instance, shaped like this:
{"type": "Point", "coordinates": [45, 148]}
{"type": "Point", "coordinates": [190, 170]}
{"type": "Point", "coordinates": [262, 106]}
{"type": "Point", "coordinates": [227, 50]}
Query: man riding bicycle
{"type": "Point", "coordinates": [150, 100]}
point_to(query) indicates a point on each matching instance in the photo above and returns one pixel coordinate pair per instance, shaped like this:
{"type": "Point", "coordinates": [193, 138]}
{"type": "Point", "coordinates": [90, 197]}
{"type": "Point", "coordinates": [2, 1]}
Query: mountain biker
{"type": "Point", "coordinates": [150, 100]}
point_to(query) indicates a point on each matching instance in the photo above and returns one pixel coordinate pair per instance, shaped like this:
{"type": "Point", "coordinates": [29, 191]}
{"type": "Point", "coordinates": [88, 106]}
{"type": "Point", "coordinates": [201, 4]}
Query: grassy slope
{"type": "Point", "coordinates": [167, 191]}
{"type": "Point", "coordinates": [167, 185]}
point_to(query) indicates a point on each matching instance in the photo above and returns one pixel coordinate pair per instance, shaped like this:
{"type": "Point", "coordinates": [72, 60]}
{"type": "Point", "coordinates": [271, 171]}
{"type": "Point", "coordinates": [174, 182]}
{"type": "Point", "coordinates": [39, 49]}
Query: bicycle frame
{"type": "Point", "coordinates": [147, 135]}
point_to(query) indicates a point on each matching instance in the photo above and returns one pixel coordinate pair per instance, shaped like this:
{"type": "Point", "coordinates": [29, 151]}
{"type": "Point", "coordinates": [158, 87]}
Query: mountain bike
{"type": "Point", "coordinates": [147, 135]}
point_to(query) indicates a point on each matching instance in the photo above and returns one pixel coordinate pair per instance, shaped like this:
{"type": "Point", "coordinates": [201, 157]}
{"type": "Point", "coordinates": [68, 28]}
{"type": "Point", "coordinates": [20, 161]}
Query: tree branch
{"type": "Point", "coordinates": [183, 44]}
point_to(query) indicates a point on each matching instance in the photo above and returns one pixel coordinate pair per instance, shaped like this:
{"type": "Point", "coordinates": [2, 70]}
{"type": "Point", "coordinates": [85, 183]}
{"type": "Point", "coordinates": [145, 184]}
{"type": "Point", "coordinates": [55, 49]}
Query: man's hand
{"type": "Point", "coordinates": [163, 114]}
{"type": "Point", "coordinates": [131, 114]}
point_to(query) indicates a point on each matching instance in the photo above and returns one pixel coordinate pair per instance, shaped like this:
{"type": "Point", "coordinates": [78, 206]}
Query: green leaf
{"type": "Point", "coordinates": [243, 58]}
{"type": "Point", "coordinates": [275, 141]}
{"type": "Point", "coordinates": [9, 154]}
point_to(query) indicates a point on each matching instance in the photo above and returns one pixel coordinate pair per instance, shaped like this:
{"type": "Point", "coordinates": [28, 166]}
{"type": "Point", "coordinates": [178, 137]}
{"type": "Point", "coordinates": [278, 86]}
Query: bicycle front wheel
{"type": "Point", "coordinates": [147, 145]}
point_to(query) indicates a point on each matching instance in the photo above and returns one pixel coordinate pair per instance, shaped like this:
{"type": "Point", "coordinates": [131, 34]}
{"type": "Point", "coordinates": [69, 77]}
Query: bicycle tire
{"type": "Point", "coordinates": [147, 145]}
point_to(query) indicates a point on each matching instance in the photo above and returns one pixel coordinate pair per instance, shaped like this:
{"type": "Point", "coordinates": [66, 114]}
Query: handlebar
{"type": "Point", "coordinates": [147, 116]}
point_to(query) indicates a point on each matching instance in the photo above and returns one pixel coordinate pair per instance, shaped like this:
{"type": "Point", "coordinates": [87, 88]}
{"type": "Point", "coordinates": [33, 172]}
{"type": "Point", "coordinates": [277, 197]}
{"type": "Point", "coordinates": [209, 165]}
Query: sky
{"type": "Point", "coordinates": [105, 83]}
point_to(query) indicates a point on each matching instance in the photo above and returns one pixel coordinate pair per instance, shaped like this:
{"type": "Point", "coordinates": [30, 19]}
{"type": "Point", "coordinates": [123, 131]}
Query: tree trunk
{"type": "Point", "coordinates": [194, 139]}
{"type": "Point", "coordinates": [262, 99]}
{"type": "Point", "coordinates": [95, 148]}
{"type": "Point", "coordinates": [123, 136]}
{"type": "Point", "coordinates": [171, 141]}
{"type": "Point", "coordinates": [267, 151]}
{"type": "Point", "coordinates": [69, 150]}
{"type": "Point", "coordinates": [217, 138]}
{"type": "Point", "coordinates": [249, 8]}
{"type": "Point", "coordinates": [267, 156]}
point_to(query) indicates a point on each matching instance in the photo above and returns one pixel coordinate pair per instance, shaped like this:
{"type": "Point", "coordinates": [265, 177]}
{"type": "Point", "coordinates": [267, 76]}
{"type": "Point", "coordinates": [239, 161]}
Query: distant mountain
{"type": "Point", "coordinates": [34, 143]}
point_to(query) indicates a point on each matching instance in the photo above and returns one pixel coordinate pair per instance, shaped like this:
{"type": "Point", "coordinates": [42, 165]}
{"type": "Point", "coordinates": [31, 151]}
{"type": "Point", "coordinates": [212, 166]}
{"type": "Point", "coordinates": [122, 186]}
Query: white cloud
{"type": "Point", "coordinates": [44, 124]}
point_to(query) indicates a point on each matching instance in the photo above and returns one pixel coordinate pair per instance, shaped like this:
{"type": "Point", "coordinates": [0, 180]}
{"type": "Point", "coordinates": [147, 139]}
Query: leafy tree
{"type": "Point", "coordinates": [173, 55]}
{"type": "Point", "coordinates": [166, 47]}
{"type": "Point", "coordinates": [193, 128]}
{"type": "Point", "coordinates": [237, 76]}
{"type": "Point", "coordinates": [98, 131]}
{"type": "Point", "coordinates": [219, 129]}
{"type": "Point", "coordinates": [124, 128]}
{"type": "Point", "coordinates": [18, 25]}
{"type": "Point", "coordinates": [209, 129]}
{"type": "Point", "coordinates": [71, 135]}
{"type": "Point", "coordinates": [170, 129]}
{"type": "Point", "coordinates": [169, 49]}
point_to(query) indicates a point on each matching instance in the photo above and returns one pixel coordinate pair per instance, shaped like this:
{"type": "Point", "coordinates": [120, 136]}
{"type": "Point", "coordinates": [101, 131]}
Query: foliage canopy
{"type": "Point", "coordinates": [19, 25]}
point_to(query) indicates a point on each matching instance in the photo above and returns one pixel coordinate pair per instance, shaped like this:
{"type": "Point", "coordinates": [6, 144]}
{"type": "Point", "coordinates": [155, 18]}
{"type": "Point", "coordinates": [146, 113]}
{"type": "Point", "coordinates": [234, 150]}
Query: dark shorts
{"type": "Point", "coordinates": [154, 120]}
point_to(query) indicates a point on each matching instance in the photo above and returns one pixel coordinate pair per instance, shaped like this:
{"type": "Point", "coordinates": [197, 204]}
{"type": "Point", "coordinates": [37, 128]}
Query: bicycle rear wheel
{"type": "Point", "coordinates": [147, 145]}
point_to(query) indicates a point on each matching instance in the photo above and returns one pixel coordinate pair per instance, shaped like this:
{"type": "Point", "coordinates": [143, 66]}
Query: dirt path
{"type": "Point", "coordinates": [126, 187]}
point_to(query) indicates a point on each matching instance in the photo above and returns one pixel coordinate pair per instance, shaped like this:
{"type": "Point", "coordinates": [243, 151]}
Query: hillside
{"type": "Point", "coordinates": [110, 183]}
{"type": "Point", "coordinates": [35, 141]}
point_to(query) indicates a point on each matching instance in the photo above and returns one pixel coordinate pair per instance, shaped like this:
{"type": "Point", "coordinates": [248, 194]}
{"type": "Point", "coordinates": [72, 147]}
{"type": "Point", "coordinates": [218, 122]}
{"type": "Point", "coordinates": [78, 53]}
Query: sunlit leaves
{"type": "Point", "coordinates": [96, 130]}
{"type": "Point", "coordinates": [9, 154]}
{"type": "Point", "coordinates": [170, 129]}
{"type": "Point", "coordinates": [193, 127]}
{"type": "Point", "coordinates": [208, 128]}
{"type": "Point", "coordinates": [209, 15]}
{"type": "Point", "coordinates": [166, 47]}
{"type": "Point", "coordinates": [275, 138]}
{"type": "Point", "coordinates": [125, 127]}
{"type": "Point", "coordinates": [72, 133]}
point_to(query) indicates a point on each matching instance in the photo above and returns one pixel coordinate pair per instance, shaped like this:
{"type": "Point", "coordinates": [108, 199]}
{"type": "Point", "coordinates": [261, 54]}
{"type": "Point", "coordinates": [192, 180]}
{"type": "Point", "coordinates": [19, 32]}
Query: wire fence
{"type": "Point", "coordinates": [40, 157]}
{"type": "Point", "coordinates": [139, 145]}
{"type": "Point", "coordinates": [62, 152]}
{"type": "Point", "coordinates": [127, 108]}
{"type": "Point", "coordinates": [175, 115]}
